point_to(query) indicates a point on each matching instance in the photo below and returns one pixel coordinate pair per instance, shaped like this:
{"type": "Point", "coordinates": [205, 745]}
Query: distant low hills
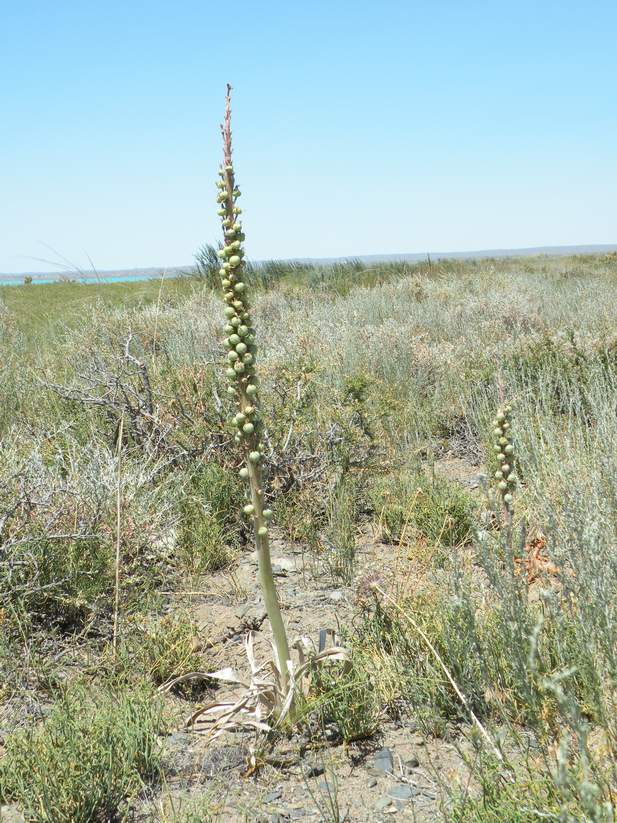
{"type": "Point", "coordinates": [147, 273]}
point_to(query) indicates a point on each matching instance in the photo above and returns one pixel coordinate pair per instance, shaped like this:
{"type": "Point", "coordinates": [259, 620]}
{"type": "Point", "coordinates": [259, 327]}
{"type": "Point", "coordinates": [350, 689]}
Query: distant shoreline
{"type": "Point", "coordinates": [140, 274]}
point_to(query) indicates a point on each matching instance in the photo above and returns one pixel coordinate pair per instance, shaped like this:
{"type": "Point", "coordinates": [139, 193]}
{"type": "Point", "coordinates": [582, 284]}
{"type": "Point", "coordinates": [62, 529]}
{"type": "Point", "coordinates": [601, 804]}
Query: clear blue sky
{"type": "Point", "coordinates": [360, 127]}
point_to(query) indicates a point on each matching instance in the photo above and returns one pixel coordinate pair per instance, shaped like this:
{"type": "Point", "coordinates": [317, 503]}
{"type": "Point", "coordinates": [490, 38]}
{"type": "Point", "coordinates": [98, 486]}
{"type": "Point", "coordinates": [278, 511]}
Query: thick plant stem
{"type": "Point", "coordinates": [243, 387]}
{"type": "Point", "coordinates": [266, 578]}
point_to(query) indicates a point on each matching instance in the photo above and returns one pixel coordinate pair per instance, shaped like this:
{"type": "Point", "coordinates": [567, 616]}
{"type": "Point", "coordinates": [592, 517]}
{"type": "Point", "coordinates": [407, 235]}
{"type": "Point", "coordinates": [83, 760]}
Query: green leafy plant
{"type": "Point", "coordinates": [85, 760]}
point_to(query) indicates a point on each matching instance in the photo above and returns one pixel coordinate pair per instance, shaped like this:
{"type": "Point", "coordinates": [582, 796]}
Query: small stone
{"type": "Point", "coordinates": [336, 596]}
{"type": "Point", "coordinates": [382, 803]}
{"type": "Point", "coordinates": [412, 763]}
{"type": "Point", "coordinates": [275, 794]}
{"type": "Point", "coordinates": [284, 563]}
{"type": "Point", "coordinates": [383, 762]}
{"type": "Point", "coordinates": [372, 782]}
{"type": "Point", "coordinates": [332, 733]}
{"type": "Point", "coordinates": [401, 792]}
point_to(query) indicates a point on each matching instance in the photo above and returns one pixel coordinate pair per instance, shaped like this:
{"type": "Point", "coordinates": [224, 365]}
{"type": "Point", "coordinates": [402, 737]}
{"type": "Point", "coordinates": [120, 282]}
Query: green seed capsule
{"type": "Point", "coordinates": [234, 261]}
{"type": "Point", "coordinates": [229, 312]}
{"type": "Point", "coordinates": [239, 419]}
{"type": "Point", "coordinates": [503, 441]}
{"type": "Point", "coordinates": [221, 212]}
{"type": "Point", "coordinates": [228, 329]}
{"type": "Point", "coordinates": [238, 304]}
{"type": "Point", "coordinates": [249, 509]}
{"type": "Point", "coordinates": [241, 347]}
{"type": "Point", "coordinates": [498, 475]}
{"type": "Point", "coordinates": [267, 513]}
{"type": "Point", "coordinates": [248, 428]}
{"type": "Point", "coordinates": [231, 391]}
{"type": "Point", "coordinates": [254, 457]}
{"type": "Point", "coordinates": [226, 223]}
{"type": "Point", "coordinates": [498, 432]}
{"type": "Point", "coordinates": [243, 331]}
{"type": "Point", "coordinates": [507, 499]}
{"type": "Point", "coordinates": [500, 417]}
{"type": "Point", "coordinates": [512, 480]}
{"type": "Point", "coordinates": [236, 245]}
{"type": "Point", "coordinates": [229, 168]}
{"type": "Point", "coordinates": [239, 367]}
{"type": "Point", "coordinates": [501, 456]}
{"type": "Point", "coordinates": [231, 373]}
{"type": "Point", "coordinates": [503, 486]}
{"type": "Point", "coordinates": [262, 531]}
{"type": "Point", "coordinates": [505, 468]}
{"type": "Point", "coordinates": [237, 210]}
{"type": "Point", "coordinates": [232, 356]}
{"type": "Point", "coordinates": [234, 340]}
{"type": "Point", "coordinates": [247, 358]}
{"type": "Point", "coordinates": [249, 410]}
{"type": "Point", "coordinates": [251, 389]}
{"type": "Point", "coordinates": [497, 449]}
{"type": "Point", "coordinates": [237, 439]}
{"type": "Point", "coordinates": [244, 473]}
{"type": "Point", "coordinates": [226, 283]}
{"type": "Point", "coordinates": [509, 449]}
{"type": "Point", "coordinates": [239, 287]}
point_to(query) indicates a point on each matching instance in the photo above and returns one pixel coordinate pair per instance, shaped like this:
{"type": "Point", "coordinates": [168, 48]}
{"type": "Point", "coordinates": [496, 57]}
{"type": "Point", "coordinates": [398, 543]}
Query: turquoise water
{"type": "Point", "coordinates": [88, 281]}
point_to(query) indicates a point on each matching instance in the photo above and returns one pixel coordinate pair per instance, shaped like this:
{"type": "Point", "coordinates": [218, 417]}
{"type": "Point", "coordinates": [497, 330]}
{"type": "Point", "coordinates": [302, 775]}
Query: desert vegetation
{"type": "Point", "coordinates": [468, 567]}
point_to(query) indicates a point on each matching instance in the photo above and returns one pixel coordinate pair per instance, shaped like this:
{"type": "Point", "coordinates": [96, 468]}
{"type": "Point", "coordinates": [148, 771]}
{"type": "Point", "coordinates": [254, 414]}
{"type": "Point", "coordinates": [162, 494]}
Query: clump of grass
{"type": "Point", "coordinates": [86, 760]}
{"type": "Point", "coordinates": [345, 697]}
{"type": "Point", "coordinates": [209, 527]}
{"type": "Point", "coordinates": [338, 541]}
{"type": "Point", "coordinates": [163, 649]}
{"type": "Point", "coordinates": [411, 505]}
{"type": "Point", "coordinates": [61, 581]}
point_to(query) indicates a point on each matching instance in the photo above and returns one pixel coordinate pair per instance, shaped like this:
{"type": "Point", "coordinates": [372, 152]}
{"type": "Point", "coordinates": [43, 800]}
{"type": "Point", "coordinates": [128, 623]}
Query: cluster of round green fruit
{"type": "Point", "coordinates": [504, 450]}
{"type": "Point", "coordinates": [240, 335]}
